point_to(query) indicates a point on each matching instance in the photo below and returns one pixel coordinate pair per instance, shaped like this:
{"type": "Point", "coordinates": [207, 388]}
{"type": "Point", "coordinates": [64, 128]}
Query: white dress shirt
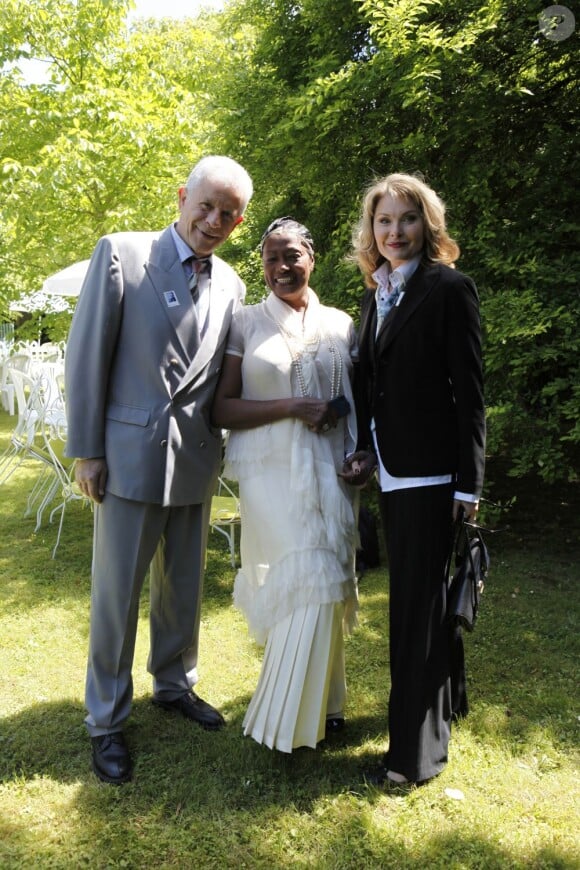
{"type": "Point", "coordinates": [185, 253]}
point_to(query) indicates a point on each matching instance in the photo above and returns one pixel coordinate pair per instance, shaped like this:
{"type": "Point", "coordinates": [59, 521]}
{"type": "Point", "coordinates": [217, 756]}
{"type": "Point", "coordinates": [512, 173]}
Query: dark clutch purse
{"type": "Point", "coordinates": [470, 561]}
{"type": "Point", "coordinates": [340, 406]}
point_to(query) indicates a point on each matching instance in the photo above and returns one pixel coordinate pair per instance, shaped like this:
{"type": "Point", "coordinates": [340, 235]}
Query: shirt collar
{"type": "Point", "coordinates": [405, 271]}
{"type": "Point", "coordinates": [184, 252]}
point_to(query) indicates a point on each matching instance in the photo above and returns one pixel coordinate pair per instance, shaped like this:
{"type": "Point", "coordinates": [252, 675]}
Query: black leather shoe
{"type": "Point", "coordinates": [192, 707]}
{"type": "Point", "coordinates": [378, 777]}
{"type": "Point", "coordinates": [111, 759]}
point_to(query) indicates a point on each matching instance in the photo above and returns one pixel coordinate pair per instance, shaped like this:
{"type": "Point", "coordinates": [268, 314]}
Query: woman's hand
{"type": "Point", "coordinates": [230, 411]}
{"type": "Point", "coordinates": [469, 508]}
{"type": "Point", "coordinates": [358, 467]}
{"type": "Point", "coordinates": [317, 414]}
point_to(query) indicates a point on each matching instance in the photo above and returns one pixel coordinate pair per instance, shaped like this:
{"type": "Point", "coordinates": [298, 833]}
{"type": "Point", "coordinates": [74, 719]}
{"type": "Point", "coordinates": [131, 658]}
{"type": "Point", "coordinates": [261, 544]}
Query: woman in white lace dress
{"type": "Point", "coordinates": [287, 359]}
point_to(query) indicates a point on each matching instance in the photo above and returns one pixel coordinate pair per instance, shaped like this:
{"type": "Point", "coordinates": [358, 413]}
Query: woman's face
{"type": "Point", "coordinates": [399, 229]}
{"type": "Point", "coordinates": [287, 267]}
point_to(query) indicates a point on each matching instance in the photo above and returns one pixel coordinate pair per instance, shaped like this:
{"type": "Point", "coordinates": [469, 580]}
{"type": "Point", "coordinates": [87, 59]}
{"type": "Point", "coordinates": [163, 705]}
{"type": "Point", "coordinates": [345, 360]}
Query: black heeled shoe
{"type": "Point", "coordinates": [334, 725]}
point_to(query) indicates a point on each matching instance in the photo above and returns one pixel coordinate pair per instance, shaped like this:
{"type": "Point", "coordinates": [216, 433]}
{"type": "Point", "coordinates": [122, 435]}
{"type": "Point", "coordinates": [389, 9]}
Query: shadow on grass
{"type": "Point", "coordinates": [193, 791]}
{"type": "Point", "coordinates": [31, 578]}
{"type": "Point", "coordinates": [521, 660]}
{"type": "Point", "coordinates": [199, 796]}
{"type": "Point", "coordinates": [50, 740]}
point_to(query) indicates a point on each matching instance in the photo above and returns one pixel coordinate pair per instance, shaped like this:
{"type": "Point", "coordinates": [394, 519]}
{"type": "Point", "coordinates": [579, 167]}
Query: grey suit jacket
{"type": "Point", "coordinates": [139, 383]}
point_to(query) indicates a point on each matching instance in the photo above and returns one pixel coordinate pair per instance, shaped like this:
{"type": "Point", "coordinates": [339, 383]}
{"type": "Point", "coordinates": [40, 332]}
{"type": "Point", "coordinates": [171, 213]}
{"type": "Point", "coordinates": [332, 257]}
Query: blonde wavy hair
{"type": "Point", "coordinates": [439, 246]}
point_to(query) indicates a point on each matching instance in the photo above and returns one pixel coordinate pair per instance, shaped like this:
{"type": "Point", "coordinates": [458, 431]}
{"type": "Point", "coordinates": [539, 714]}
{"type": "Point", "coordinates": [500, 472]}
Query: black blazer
{"type": "Point", "coordinates": [421, 380]}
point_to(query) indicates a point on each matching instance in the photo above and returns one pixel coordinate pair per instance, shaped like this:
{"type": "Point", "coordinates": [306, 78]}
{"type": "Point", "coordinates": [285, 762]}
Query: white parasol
{"type": "Point", "coordinates": [67, 282]}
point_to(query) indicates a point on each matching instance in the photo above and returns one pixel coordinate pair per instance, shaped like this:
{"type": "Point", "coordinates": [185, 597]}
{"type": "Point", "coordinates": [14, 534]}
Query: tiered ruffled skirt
{"type": "Point", "coordinates": [296, 585]}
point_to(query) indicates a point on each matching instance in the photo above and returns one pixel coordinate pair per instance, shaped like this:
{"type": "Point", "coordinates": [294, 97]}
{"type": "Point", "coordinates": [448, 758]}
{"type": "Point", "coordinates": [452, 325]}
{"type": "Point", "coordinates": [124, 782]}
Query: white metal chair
{"type": "Point", "coordinates": [225, 515]}
{"type": "Point", "coordinates": [47, 404]}
{"type": "Point", "coordinates": [45, 442]}
{"type": "Point", "coordinates": [39, 404]}
{"type": "Point", "coordinates": [54, 435]}
{"type": "Point", "coordinates": [6, 386]}
{"type": "Point", "coordinates": [23, 433]}
{"type": "Point", "coordinates": [20, 362]}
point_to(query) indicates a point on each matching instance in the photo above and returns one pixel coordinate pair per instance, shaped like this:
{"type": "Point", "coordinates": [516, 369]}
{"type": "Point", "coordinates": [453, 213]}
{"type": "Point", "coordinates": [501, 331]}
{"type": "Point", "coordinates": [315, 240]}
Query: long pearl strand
{"type": "Point", "coordinates": [297, 348]}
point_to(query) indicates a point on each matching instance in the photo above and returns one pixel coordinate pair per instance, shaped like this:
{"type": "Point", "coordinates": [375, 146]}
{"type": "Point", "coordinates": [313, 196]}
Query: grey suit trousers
{"type": "Point", "coordinates": [129, 537]}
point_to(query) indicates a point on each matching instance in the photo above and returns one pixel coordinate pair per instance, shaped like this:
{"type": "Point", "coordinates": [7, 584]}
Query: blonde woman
{"type": "Point", "coordinates": [419, 397]}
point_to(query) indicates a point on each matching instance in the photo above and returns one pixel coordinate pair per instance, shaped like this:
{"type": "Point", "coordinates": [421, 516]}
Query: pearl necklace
{"type": "Point", "coordinates": [297, 348]}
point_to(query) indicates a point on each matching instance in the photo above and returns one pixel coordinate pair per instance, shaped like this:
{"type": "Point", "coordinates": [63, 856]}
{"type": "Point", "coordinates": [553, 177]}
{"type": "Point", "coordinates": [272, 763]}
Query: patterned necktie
{"type": "Point", "coordinates": [384, 305]}
{"type": "Point", "coordinates": [198, 266]}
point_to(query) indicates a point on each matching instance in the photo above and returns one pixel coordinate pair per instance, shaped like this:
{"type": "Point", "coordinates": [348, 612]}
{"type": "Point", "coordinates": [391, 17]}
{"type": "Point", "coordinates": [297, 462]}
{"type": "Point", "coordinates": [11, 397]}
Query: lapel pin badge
{"type": "Point", "coordinates": [171, 299]}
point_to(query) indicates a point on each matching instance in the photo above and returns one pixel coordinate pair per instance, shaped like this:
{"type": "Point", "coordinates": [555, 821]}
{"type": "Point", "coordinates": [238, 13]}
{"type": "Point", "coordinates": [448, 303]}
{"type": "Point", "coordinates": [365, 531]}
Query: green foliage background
{"type": "Point", "coordinates": [316, 98]}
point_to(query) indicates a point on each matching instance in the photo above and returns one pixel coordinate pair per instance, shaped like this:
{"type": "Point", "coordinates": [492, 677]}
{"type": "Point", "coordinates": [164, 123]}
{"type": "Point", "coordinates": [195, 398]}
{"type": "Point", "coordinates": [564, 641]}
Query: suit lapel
{"type": "Point", "coordinates": [418, 288]}
{"type": "Point", "coordinates": [368, 320]}
{"type": "Point", "coordinates": [166, 274]}
{"type": "Point", "coordinates": [221, 298]}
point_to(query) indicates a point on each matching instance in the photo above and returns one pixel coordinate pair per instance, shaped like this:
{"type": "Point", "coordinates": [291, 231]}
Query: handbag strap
{"type": "Point", "coordinates": [454, 544]}
{"type": "Point", "coordinates": [476, 576]}
{"type": "Point", "coordinates": [461, 545]}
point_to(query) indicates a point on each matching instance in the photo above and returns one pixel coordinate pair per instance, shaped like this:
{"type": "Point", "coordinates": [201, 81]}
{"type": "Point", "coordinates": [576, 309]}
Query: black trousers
{"type": "Point", "coordinates": [426, 655]}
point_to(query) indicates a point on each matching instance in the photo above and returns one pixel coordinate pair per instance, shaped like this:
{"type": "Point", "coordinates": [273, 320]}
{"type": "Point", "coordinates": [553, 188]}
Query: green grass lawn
{"type": "Point", "coordinates": [509, 797]}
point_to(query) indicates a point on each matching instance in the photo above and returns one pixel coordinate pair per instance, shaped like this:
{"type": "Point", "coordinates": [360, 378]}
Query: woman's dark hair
{"type": "Point", "coordinates": [289, 225]}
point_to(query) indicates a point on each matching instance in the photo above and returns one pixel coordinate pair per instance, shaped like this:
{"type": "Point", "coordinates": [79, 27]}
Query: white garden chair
{"type": "Point", "coordinates": [225, 515]}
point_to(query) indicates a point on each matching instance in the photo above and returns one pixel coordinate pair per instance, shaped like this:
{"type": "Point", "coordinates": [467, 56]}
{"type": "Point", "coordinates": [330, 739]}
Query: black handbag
{"type": "Point", "coordinates": [471, 565]}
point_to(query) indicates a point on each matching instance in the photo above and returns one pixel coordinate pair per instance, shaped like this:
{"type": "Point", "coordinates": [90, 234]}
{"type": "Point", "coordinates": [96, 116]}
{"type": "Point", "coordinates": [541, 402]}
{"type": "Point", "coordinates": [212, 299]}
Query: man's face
{"type": "Point", "coordinates": [209, 212]}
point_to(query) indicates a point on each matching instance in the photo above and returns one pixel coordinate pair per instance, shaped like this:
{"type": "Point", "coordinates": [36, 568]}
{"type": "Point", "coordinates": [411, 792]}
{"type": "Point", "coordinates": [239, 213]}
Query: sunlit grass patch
{"type": "Point", "coordinates": [508, 798]}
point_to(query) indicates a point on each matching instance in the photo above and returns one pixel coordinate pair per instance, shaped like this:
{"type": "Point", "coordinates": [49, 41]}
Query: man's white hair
{"type": "Point", "coordinates": [223, 169]}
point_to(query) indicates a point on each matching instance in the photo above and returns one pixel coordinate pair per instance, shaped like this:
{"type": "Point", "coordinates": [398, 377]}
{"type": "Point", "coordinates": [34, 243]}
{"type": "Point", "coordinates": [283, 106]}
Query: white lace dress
{"type": "Point", "coordinates": [296, 586]}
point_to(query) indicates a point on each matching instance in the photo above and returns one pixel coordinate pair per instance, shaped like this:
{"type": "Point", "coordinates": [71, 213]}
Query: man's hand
{"type": "Point", "coordinates": [358, 467]}
{"type": "Point", "coordinates": [91, 477]}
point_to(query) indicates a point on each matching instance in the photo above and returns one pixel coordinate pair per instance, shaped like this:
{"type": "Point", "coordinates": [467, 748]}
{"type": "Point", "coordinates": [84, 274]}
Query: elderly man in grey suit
{"type": "Point", "coordinates": [143, 358]}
